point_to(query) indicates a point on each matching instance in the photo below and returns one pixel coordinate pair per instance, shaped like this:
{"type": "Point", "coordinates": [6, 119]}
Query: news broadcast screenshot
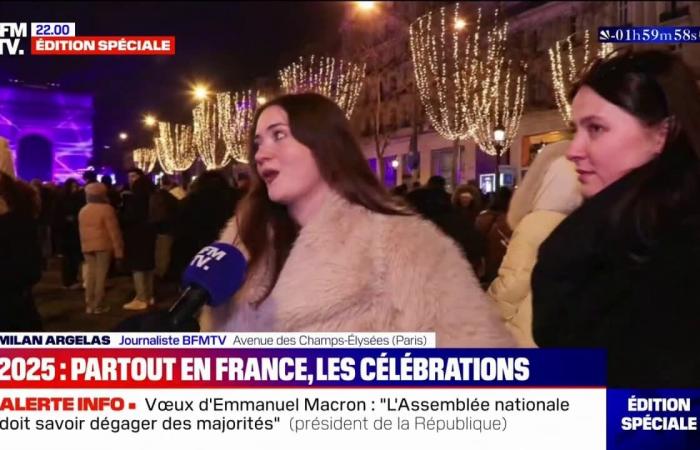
{"type": "Point", "coordinates": [343, 225]}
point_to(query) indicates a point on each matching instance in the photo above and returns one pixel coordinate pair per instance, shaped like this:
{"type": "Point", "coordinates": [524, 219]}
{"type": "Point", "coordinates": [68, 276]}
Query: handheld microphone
{"type": "Point", "coordinates": [215, 273]}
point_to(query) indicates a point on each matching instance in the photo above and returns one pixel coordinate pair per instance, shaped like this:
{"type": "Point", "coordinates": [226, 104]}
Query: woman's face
{"type": "Point", "coordinates": [465, 199]}
{"type": "Point", "coordinates": [286, 165]}
{"type": "Point", "coordinates": [609, 141]}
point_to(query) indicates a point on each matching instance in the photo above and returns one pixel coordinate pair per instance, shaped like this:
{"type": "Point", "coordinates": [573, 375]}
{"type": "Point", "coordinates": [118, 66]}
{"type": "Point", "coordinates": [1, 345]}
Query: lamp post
{"type": "Point", "coordinates": [499, 137]}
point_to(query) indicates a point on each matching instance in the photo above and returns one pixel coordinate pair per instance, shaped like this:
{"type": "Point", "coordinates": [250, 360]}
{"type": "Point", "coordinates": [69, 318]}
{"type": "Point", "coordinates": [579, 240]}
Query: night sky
{"type": "Point", "coordinates": [226, 45]}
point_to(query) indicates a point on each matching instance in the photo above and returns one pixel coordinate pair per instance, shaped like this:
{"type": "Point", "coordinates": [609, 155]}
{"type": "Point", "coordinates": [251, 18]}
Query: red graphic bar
{"type": "Point", "coordinates": [104, 45]}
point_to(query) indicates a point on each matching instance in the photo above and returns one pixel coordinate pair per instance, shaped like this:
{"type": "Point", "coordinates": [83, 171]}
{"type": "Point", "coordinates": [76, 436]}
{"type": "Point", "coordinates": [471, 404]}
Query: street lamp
{"type": "Point", "coordinates": [395, 163]}
{"type": "Point", "coordinates": [149, 120]}
{"type": "Point", "coordinates": [499, 137]}
{"type": "Point", "coordinates": [123, 136]}
{"type": "Point", "coordinates": [200, 92]}
{"type": "Point", "coordinates": [366, 6]}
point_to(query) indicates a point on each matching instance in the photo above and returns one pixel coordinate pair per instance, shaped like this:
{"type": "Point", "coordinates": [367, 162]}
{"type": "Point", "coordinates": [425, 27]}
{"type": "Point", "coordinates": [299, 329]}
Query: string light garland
{"type": "Point", "coordinates": [443, 64]}
{"type": "Point", "coordinates": [236, 111]}
{"type": "Point", "coordinates": [339, 80]}
{"type": "Point", "coordinates": [174, 147]}
{"type": "Point", "coordinates": [563, 75]}
{"type": "Point", "coordinates": [498, 98]}
{"type": "Point", "coordinates": [145, 159]}
{"type": "Point", "coordinates": [207, 135]}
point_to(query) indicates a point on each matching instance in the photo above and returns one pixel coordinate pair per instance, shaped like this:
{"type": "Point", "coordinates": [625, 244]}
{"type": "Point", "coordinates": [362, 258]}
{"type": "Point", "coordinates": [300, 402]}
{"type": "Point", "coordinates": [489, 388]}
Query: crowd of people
{"type": "Point", "coordinates": [97, 230]}
{"type": "Point", "coordinates": [597, 247]}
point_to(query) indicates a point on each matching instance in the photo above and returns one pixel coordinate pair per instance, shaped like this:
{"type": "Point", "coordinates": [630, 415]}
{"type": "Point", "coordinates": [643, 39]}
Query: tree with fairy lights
{"type": "Point", "coordinates": [206, 132]}
{"type": "Point", "coordinates": [497, 96]}
{"type": "Point", "coordinates": [444, 63]}
{"type": "Point", "coordinates": [565, 66]}
{"type": "Point", "coordinates": [339, 80]}
{"type": "Point", "coordinates": [236, 111]}
{"type": "Point", "coordinates": [145, 159]}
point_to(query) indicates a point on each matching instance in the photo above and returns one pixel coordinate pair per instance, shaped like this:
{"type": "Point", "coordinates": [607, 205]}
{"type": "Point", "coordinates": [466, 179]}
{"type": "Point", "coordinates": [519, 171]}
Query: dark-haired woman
{"type": "Point", "coordinates": [330, 250]}
{"type": "Point", "coordinates": [621, 272]}
{"type": "Point", "coordinates": [20, 256]}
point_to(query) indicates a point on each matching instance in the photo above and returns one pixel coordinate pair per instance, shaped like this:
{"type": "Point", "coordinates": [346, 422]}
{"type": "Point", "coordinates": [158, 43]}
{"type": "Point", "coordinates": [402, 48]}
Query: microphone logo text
{"type": "Point", "coordinates": [205, 255]}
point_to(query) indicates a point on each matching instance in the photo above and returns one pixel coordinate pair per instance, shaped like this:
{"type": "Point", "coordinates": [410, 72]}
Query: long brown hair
{"type": "Point", "coordinates": [319, 124]}
{"type": "Point", "coordinates": [655, 86]}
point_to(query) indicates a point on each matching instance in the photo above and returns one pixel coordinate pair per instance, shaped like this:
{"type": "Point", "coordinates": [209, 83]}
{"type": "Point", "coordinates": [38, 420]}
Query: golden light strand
{"type": "Point", "coordinates": [236, 112]}
{"type": "Point", "coordinates": [174, 147]}
{"type": "Point", "coordinates": [444, 65]}
{"type": "Point", "coordinates": [339, 80]}
{"type": "Point", "coordinates": [207, 135]}
{"type": "Point", "coordinates": [564, 76]}
{"type": "Point", "coordinates": [145, 159]}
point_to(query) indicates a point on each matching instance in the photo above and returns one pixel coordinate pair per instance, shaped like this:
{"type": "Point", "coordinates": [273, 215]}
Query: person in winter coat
{"type": "Point", "coordinates": [621, 272]}
{"type": "Point", "coordinates": [495, 232]}
{"type": "Point", "coordinates": [330, 250]}
{"type": "Point", "coordinates": [140, 241]}
{"type": "Point", "coordinates": [100, 238]}
{"type": "Point", "coordinates": [201, 217]}
{"type": "Point", "coordinates": [548, 194]}
{"type": "Point", "coordinates": [20, 256]}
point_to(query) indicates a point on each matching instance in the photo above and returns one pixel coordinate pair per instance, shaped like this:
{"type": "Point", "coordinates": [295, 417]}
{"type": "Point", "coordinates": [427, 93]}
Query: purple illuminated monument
{"type": "Point", "coordinates": [50, 132]}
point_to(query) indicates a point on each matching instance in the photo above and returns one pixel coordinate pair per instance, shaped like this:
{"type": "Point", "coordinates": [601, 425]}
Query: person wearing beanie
{"type": "Point", "coordinates": [100, 237]}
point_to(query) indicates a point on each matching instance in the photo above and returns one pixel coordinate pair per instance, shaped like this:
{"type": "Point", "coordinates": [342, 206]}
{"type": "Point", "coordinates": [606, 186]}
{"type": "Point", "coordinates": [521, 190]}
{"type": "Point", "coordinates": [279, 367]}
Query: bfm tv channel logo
{"type": "Point", "coordinates": [11, 35]}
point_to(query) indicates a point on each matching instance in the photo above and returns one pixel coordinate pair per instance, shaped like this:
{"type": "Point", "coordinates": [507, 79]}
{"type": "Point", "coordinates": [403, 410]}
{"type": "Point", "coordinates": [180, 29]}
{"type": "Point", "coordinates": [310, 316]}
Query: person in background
{"type": "Point", "coordinates": [100, 238]}
{"type": "Point", "coordinates": [132, 174]}
{"type": "Point", "coordinates": [400, 191]}
{"type": "Point", "coordinates": [549, 192]}
{"type": "Point", "coordinates": [495, 233]}
{"type": "Point", "coordinates": [466, 200]}
{"type": "Point", "coordinates": [329, 249]}
{"type": "Point", "coordinates": [243, 182]}
{"type": "Point", "coordinates": [89, 177]}
{"type": "Point", "coordinates": [163, 214]}
{"type": "Point", "coordinates": [20, 256]}
{"type": "Point", "coordinates": [112, 194]}
{"type": "Point", "coordinates": [621, 272]}
{"type": "Point", "coordinates": [433, 204]}
{"type": "Point", "coordinates": [139, 240]}
{"type": "Point", "coordinates": [169, 184]}
{"type": "Point", "coordinates": [205, 211]}
{"type": "Point", "coordinates": [45, 205]}
{"type": "Point", "coordinates": [68, 206]}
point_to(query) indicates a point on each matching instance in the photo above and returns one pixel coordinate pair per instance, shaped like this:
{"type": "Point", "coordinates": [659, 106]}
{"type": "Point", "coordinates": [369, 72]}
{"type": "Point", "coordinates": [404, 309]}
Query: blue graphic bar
{"type": "Point", "coordinates": [653, 419]}
{"type": "Point", "coordinates": [649, 35]}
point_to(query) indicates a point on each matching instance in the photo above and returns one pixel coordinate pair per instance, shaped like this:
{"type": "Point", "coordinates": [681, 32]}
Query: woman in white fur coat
{"type": "Point", "coordinates": [328, 248]}
{"type": "Point", "coordinates": [549, 192]}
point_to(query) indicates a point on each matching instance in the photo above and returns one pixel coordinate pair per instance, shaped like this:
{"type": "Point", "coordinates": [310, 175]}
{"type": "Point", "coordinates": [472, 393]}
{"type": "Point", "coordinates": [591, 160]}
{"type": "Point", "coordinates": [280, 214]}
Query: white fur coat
{"type": "Point", "coordinates": [355, 270]}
